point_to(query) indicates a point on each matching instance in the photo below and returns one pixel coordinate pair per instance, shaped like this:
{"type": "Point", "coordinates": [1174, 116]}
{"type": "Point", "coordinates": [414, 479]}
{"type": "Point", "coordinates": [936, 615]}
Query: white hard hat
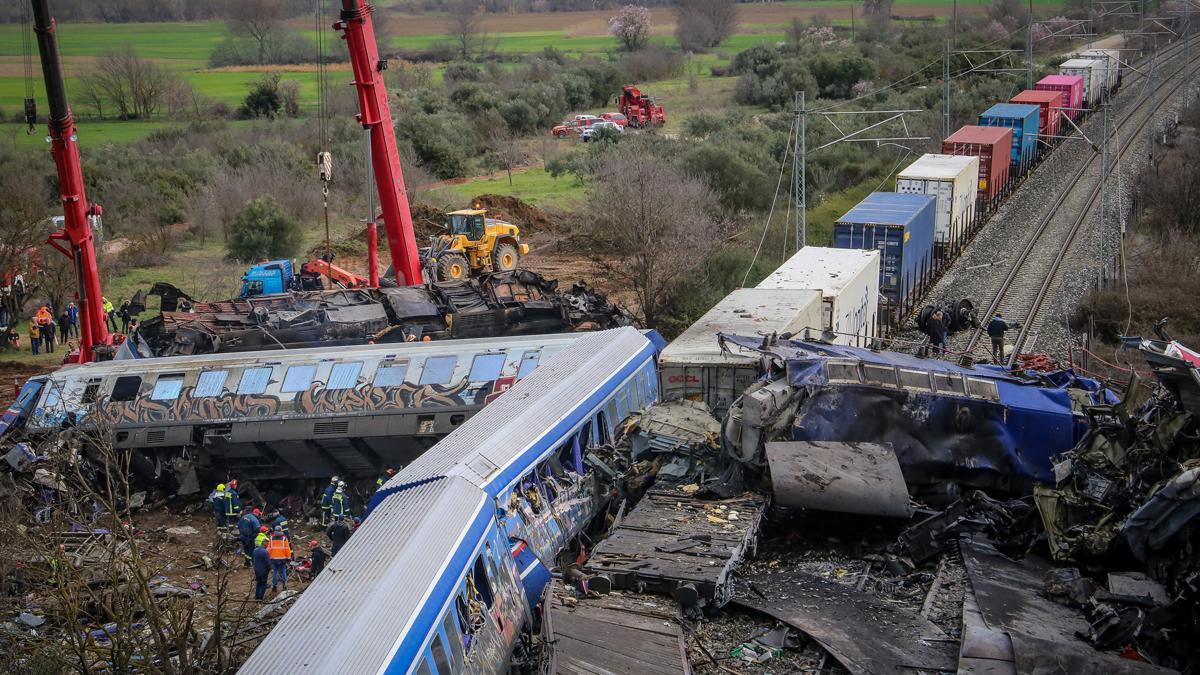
{"type": "Point", "coordinates": [341, 484]}
{"type": "Point", "coordinates": [333, 480]}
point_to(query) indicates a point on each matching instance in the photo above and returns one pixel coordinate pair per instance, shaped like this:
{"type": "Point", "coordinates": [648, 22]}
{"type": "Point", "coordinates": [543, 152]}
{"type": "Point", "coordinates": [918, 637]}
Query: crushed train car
{"type": "Point", "coordinates": [301, 413]}
{"type": "Point", "coordinates": [981, 426]}
{"type": "Point", "coordinates": [509, 303]}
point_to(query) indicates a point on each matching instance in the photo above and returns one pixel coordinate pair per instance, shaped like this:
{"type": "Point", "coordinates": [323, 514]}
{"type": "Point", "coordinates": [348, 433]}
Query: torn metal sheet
{"type": "Point", "coordinates": [864, 633]}
{"type": "Point", "coordinates": [862, 478]}
{"type": "Point", "coordinates": [1044, 634]}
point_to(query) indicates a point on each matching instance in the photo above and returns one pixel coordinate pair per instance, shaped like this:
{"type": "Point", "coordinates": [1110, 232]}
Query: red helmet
{"type": "Point", "coordinates": [264, 529]}
{"type": "Point", "coordinates": [257, 512]}
{"type": "Point", "coordinates": [313, 544]}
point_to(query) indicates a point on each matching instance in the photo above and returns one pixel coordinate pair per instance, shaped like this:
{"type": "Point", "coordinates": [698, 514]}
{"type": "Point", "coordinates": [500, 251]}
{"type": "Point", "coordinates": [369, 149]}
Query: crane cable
{"type": "Point", "coordinates": [27, 55]}
{"type": "Point", "coordinates": [324, 157]}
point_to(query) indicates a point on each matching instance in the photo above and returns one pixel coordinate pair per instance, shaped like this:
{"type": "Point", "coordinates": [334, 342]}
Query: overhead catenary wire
{"type": "Point", "coordinates": [775, 198]}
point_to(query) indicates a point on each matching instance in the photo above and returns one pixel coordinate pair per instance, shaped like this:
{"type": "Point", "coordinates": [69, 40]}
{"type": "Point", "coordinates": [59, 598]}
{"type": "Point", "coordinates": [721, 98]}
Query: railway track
{"type": "Point", "coordinates": [1032, 274]}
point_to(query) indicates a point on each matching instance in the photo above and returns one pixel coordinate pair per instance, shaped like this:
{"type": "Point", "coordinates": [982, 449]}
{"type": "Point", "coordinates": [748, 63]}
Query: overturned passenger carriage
{"type": "Point", "coordinates": [302, 413]}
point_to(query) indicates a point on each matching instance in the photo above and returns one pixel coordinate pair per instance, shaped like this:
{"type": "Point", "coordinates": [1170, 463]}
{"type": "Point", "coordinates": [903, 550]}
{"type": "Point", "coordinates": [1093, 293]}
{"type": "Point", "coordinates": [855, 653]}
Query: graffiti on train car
{"type": "Point", "coordinates": [316, 400]}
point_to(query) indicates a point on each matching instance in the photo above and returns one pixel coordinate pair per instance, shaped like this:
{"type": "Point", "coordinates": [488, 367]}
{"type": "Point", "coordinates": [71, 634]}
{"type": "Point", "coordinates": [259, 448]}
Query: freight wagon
{"type": "Point", "coordinates": [952, 180]}
{"type": "Point", "coordinates": [849, 283]}
{"type": "Point", "coordinates": [901, 227]}
{"type": "Point", "coordinates": [1110, 66]}
{"type": "Point", "coordinates": [1070, 86]}
{"type": "Point", "coordinates": [1049, 115]}
{"type": "Point", "coordinates": [1023, 120]}
{"type": "Point", "coordinates": [993, 147]}
{"type": "Point", "coordinates": [695, 366]}
{"type": "Point", "coordinates": [1091, 72]}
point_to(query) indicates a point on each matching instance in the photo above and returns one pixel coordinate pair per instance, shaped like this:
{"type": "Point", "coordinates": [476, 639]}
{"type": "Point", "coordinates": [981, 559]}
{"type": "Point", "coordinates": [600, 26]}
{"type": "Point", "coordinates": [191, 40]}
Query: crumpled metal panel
{"type": "Point", "coordinates": [861, 478]}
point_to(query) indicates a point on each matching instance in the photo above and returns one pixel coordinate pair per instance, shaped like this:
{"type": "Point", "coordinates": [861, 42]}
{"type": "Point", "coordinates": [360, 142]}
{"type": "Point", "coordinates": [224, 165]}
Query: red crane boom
{"type": "Point", "coordinates": [376, 116]}
{"type": "Point", "coordinates": [77, 231]}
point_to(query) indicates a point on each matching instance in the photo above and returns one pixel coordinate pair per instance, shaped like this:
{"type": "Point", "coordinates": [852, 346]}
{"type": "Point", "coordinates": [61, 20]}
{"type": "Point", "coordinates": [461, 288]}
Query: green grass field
{"type": "Point", "coordinates": [533, 185]}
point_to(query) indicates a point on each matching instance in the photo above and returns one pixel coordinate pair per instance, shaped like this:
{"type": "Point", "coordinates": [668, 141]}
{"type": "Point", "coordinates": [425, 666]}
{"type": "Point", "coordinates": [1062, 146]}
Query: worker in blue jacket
{"type": "Point", "coordinates": [278, 520]}
{"type": "Point", "coordinates": [339, 509]}
{"type": "Point", "coordinates": [247, 530]}
{"type": "Point", "coordinates": [233, 505]}
{"type": "Point", "coordinates": [327, 502]}
{"type": "Point", "coordinates": [262, 568]}
{"type": "Point", "coordinates": [217, 498]}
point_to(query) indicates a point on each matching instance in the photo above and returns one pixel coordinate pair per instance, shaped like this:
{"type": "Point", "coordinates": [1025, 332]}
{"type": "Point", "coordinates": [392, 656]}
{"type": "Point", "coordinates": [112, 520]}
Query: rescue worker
{"type": "Point", "coordinates": [996, 328]}
{"type": "Point", "coordinates": [64, 327]}
{"type": "Point", "coordinates": [319, 557]}
{"type": "Point", "coordinates": [263, 536]}
{"type": "Point", "coordinates": [247, 530]}
{"type": "Point", "coordinates": [280, 550]}
{"type": "Point", "coordinates": [35, 336]}
{"type": "Point", "coordinates": [339, 502]}
{"type": "Point", "coordinates": [280, 522]}
{"type": "Point", "coordinates": [384, 477]}
{"type": "Point", "coordinates": [108, 313]}
{"type": "Point", "coordinates": [218, 506]}
{"type": "Point", "coordinates": [326, 500]}
{"type": "Point", "coordinates": [937, 332]}
{"type": "Point", "coordinates": [45, 322]}
{"type": "Point", "coordinates": [262, 567]}
{"type": "Point", "coordinates": [73, 315]}
{"type": "Point", "coordinates": [339, 534]}
{"type": "Point", "coordinates": [233, 504]}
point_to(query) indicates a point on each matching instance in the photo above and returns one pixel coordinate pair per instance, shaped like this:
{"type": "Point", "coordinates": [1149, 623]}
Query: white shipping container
{"type": "Point", "coordinates": [1110, 65]}
{"type": "Point", "coordinates": [1091, 73]}
{"type": "Point", "coordinates": [693, 366]}
{"type": "Point", "coordinates": [849, 283]}
{"type": "Point", "coordinates": [953, 179]}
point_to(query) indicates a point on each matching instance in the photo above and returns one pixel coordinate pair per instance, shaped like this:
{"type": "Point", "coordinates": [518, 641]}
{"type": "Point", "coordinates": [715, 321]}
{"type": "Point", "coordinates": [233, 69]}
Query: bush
{"type": "Point", "coordinates": [652, 63]}
{"type": "Point", "coordinates": [262, 230]}
{"type": "Point", "coordinates": [703, 24]}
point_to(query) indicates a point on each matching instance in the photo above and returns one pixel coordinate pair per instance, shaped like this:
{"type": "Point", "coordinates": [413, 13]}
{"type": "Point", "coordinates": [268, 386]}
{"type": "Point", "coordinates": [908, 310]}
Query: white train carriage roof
{"type": "Point", "coordinates": [380, 595]}
{"type": "Point", "coordinates": [500, 442]}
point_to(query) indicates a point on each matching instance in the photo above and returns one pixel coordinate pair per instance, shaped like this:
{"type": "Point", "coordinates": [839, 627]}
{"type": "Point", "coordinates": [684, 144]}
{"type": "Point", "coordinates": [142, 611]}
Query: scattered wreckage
{"type": "Point", "coordinates": [493, 305]}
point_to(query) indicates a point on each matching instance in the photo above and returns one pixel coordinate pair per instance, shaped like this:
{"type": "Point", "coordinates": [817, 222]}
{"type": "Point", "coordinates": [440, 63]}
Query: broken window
{"type": "Point", "coordinates": [602, 437]}
{"type": "Point", "coordinates": [91, 391]}
{"type": "Point", "coordinates": [950, 384]}
{"type": "Point", "coordinates": [486, 367]}
{"type": "Point", "coordinates": [983, 389]}
{"type": "Point", "coordinates": [423, 668]}
{"type": "Point", "coordinates": [344, 375]}
{"type": "Point", "coordinates": [126, 388]}
{"type": "Point", "coordinates": [614, 418]}
{"type": "Point", "coordinates": [881, 375]}
{"type": "Point", "coordinates": [529, 362]}
{"type": "Point", "coordinates": [167, 387]}
{"type": "Point", "coordinates": [438, 370]}
{"type": "Point", "coordinates": [483, 588]}
{"type": "Point", "coordinates": [211, 383]}
{"type": "Point", "coordinates": [391, 374]}
{"type": "Point", "coordinates": [298, 378]}
{"type": "Point", "coordinates": [454, 641]}
{"type": "Point", "coordinates": [841, 371]}
{"type": "Point", "coordinates": [254, 381]}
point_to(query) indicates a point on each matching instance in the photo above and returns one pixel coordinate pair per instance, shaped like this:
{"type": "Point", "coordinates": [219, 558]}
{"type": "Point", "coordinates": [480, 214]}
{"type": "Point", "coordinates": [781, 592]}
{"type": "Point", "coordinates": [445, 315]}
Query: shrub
{"type": "Point", "coordinates": [652, 63]}
{"type": "Point", "coordinates": [702, 24]}
{"type": "Point", "coordinates": [262, 230]}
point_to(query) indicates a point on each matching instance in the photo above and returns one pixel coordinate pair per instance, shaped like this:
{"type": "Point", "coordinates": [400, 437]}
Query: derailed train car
{"type": "Point", "coordinates": [980, 426]}
{"type": "Point", "coordinates": [301, 413]}
{"type": "Point", "coordinates": [445, 574]}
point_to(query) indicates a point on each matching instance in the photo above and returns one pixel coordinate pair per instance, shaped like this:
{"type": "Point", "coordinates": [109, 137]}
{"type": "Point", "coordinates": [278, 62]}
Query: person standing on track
{"type": "Point", "coordinates": [996, 328]}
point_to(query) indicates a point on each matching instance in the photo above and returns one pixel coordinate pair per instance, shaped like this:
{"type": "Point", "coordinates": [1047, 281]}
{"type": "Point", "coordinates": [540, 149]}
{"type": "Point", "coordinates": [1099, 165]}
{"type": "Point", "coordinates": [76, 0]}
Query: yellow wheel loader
{"type": "Point", "coordinates": [475, 244]}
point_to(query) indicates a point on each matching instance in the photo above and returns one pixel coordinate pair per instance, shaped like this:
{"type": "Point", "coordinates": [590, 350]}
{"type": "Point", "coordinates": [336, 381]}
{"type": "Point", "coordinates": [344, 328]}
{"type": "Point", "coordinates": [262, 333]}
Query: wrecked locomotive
{"type": "Point", "coordinates": [980, 426]}
{"type": "Point", "coordinates": [510, 303]}
{"type": "Point", "coordinates": [451, 561]}
{"type": "Point", "coordinates": [301, 413]}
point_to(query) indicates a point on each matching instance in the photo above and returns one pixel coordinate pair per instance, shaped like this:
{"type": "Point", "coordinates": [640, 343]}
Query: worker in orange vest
{"type": "Point", "coordinates": [280, 550]}
{"type": "Point", "coordinates": [45, 322]}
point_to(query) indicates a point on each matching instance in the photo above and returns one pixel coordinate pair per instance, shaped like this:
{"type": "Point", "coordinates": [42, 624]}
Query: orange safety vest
{"type": "Point", "coordinates": [43, 318]}
{"type": "Point", "coordinates": [279, 548]}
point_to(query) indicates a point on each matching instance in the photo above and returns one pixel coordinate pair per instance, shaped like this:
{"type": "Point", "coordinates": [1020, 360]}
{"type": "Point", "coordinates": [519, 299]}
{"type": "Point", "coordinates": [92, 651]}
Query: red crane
{"type": "Point", "coordinates": [75, 239]}
{"type": "Point", "coordinates": [375, 114]}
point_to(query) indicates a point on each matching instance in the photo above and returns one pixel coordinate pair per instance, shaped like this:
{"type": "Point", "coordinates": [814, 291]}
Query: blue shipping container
{"type": "Point", "coordinates": [1023, 119]}
{"type": "Point", "coordinates": [901, 227]}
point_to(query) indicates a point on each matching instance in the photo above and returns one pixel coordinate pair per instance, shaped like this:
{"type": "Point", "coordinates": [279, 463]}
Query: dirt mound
{"type": "Point", "coordinates": [522, 214]}
{"type": "Point", "coordinates": [13, 375]}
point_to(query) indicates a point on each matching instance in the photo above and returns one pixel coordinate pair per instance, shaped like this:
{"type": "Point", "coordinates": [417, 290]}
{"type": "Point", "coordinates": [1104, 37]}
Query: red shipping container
{"type": "Point", "coordinates": [1071, 87]}
{"type": "Point", "coordinates": [993, 147]}
{"type": "Point", "coordinates": [1051, 103]}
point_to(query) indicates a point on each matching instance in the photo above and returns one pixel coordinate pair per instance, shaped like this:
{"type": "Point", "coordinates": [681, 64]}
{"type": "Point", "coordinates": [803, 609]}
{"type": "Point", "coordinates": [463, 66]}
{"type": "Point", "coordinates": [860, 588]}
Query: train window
{"type": "Point", "coordinates": [298, 378]}
{"type": "Point", "coordinates": [486, 367]}
{"type": "Point", "coordinates": [841, 371]}
{"type": "Point", "coordinates": [440, 660]}
{"type": "Point", "coordinates": [91, 391]}
{"type": "Point", "coordinates": [344, 375]}
{"type": "Point", "coordinates": [983, 388]}
{"type": "Point", "coordinates": [915, 379]}
{"type": "Point", "coordinates": [881, 375]}
{"type": "Point", "coordinates": [53, 395]}
{"type": "Point", "coordinates": [167, 387]}
{"type": "Point", "coordinates": [586, 437]}
{"type": "Point", "coordinates": [529, 362]}
{"type": "Point", "coordinates": [613, 418]}
{"type": "Point", "coordinates": [949, 383]}
{"type": "Point", "coordinates": [483, 588]}
{"type": "Point", "coordinates": [454, 641]}
{"type": "Point", "coordinates": [126, 388]}
{"type": "Point", "coordinates": [602, 428]}
{"type": "Point", "coordinates": [391, 375]}
{"type": "Point", "coordinates": [211, 383]}
{"type": "Point", "coordinates": [438, 370]}
{"type": "Point", "coordinates": [635, 395]}
{"type": "Point", "coordinates": [254, 381]}
{"type": "Point", "coordinates": [423, 668]}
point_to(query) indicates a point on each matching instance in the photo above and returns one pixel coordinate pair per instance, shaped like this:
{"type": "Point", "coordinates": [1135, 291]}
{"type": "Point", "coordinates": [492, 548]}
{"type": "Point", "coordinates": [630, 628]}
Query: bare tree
{"type": "Point", "coordinates": [259, 20]}
{"type": "Point", "coordinates": [879, 15]}
{"type": "Point", "coordinates": [26, 201]}
{"type": "Point", "coordinates": [653, 223]}
{"type": "Point", "coordinates": [465, 26]}
{"type": "Point", "coordinates": [133, 86]}
{"type": "Point", "coordinates": [506, 148]}
{"type": "Point", "coordinates": [702, 24]}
